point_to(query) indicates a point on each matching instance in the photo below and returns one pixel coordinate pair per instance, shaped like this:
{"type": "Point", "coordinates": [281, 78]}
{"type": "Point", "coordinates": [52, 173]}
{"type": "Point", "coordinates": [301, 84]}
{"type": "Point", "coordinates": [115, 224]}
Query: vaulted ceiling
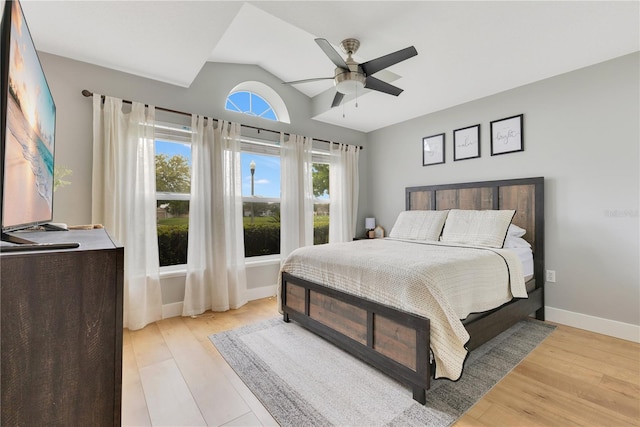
{"type": "Point", "coordinates": [466, 50]}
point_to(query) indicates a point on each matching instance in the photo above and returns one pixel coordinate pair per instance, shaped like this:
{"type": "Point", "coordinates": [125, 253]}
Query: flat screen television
{"type": "Point", "coordinates": [28, 127]}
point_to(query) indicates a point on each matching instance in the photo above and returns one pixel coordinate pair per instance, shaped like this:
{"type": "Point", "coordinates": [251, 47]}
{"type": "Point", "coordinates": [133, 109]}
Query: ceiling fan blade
{"type": "Point", "coordinates": [337, 99]}
{"type": "Point", "coordinates": [332, 54]}
{"type": "Point", "coordinates": [380, 86]}
{"type": "Point", "coordinates": [375, 65]}
{"type": "Point", "coordinates": [317, 79]}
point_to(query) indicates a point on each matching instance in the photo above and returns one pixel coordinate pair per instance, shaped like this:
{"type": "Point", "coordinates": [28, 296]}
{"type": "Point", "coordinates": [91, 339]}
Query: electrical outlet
{"type": "Point", "coordinates": [551, 276]}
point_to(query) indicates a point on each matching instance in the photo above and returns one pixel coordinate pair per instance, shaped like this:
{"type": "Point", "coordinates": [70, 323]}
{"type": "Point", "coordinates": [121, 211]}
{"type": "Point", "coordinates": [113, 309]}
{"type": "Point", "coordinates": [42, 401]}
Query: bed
{"type": "Point", "coordinates": [395, 339]}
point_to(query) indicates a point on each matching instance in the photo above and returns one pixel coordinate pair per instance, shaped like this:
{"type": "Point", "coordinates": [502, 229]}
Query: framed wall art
{"type": "Point", "coordinates": [466, 143]}
{"type": "Point", "coordinates": [433, 149]}
{"type": "Point", "coordinates": [506, 135]}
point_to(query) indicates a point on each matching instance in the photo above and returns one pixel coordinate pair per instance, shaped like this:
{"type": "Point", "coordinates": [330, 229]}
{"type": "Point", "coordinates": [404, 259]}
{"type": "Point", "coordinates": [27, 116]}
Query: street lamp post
{"type": "Point", "coordinates": [252, 166]}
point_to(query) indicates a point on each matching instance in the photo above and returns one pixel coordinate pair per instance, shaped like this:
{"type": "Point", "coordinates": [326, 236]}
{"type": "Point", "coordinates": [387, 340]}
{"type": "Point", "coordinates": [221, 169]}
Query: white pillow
{"type": "Point", "coordinates": [515, 242]}
{"type": "Point", "coordinates": [419, 225]}
{"type": "Point", "coordinates": [477, 228]}
{"type": "Point", "coordinates": [516, 231]}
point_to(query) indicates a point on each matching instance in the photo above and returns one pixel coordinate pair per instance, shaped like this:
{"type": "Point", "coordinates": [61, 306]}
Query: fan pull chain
{"type": "Point", "coordinates": [343, 116]}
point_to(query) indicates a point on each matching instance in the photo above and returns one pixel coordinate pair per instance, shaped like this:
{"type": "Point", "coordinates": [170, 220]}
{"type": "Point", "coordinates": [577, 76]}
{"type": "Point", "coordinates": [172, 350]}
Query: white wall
{"type": "Point", "coordinates": [581, 132]}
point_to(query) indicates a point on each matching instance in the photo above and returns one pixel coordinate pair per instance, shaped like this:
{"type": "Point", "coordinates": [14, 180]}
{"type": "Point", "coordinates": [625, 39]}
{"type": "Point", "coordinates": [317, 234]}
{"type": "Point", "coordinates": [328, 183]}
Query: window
{"type": "Point", "coordinates": [260, 165]}
{"type": "Point", "coordinates": [258, 100]}
{"type": "Point", "coordinates": [260, 193]}
{"type": "Point", "coordinates": [261, 197]}
{"type": "Point", "coordinates": [320, 175]}
{"type": "Point", "coordinates": [173, 187]}
{"type": "Point", "coordinates": [250, 103]}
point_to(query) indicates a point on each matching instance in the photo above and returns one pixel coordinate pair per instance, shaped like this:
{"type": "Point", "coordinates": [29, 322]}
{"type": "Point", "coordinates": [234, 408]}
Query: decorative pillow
{"type": "Point", "coordinates": [419, 225]}
{"type": "Point", "coordinates": [477, 228]}
{"type": "Point", "coordinates": [515, 242]}
{"type": "Point", "coordinates": [516, 231]}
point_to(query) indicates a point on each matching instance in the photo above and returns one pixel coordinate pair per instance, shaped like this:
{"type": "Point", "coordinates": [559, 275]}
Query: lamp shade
{"type": "Point", "coordinates": [369, 223]}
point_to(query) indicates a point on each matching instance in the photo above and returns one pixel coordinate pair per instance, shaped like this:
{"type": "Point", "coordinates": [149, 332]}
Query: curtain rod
{"type": "Point", "coordinates": [88, 93]}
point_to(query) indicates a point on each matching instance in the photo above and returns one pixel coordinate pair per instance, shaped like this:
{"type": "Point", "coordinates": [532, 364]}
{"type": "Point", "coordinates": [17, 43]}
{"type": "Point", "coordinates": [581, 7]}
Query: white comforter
{"type": "Point", "coordinates": [441, 282]}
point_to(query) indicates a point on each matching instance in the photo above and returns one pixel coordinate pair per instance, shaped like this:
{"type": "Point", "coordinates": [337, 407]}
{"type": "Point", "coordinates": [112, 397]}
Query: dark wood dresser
{"type": "Point", "coordinates": [61, 332]}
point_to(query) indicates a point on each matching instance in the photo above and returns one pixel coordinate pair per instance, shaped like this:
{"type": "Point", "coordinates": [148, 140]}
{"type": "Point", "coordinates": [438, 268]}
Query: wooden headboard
{"type": "Point", "coordinates": [525, 195]}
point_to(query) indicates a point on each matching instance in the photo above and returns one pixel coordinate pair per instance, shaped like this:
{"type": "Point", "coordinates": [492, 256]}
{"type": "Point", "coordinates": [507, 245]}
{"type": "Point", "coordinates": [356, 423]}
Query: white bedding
{"type": "Point", "coordinates": [441, 282]}
{"type": "Point", "coordinates": [526, 257]}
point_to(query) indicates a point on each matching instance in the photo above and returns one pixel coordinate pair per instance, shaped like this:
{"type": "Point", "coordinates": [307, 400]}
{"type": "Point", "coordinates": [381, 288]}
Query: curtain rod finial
{"type": "Point", "coordinates": [86, 93]}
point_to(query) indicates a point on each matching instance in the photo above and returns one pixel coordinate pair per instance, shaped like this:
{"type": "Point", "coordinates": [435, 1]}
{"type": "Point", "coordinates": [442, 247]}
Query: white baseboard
{"type": "Point", "coordinates": [175, 309]}
{"type": "Point", "coordinates": [172, 310]}
{"type": "Point", "coordinates": [261, 292]}
{"type": "Point", "coordinates": [625, 331]}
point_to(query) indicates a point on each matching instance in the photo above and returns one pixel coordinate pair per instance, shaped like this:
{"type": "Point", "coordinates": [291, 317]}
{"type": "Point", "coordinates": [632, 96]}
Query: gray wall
{"type": "Point", "coordinates": [581, 132]}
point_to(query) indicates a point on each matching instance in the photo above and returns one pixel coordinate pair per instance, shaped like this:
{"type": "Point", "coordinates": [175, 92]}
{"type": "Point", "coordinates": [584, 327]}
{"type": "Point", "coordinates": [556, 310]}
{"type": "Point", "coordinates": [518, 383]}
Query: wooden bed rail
{"type": "Point", "coordinates": [393, 341]}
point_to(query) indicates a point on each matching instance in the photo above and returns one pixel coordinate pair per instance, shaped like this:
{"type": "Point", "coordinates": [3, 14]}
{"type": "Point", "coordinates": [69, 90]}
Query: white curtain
{"type": "Point", "coordinates": [216, 275]}
{"type": "Point", "coordinates": [123, 200]}
{"type": "Point", "coordinates": [343, 190]}
{"type": "Point", "coordinates": [296, 199]}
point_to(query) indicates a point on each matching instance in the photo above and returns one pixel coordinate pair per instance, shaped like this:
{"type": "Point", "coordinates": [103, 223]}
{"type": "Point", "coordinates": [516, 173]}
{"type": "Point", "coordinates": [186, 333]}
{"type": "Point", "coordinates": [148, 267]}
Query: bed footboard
{"type": "Point", "coordinates": [393, 341]}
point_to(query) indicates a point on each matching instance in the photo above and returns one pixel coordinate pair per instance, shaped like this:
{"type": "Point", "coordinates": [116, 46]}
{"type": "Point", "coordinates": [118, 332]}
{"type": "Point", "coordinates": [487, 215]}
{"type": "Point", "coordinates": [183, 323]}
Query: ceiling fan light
{"type": "Point", "coordinates": [348, 87]}
{"type": "Point", "coordinates": [350, 82]}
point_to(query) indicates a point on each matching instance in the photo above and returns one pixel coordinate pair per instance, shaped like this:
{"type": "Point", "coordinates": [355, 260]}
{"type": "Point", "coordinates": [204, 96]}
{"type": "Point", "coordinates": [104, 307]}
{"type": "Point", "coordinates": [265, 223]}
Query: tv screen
{"type": "Point", "coordinates": [28, 117]}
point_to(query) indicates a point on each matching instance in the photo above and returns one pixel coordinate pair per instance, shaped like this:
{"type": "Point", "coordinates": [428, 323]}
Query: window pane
{"type": "Point", "coordinates": [266, 175]}
{"type": "Point", "coordinates": [231, 106]}
{"type": "Point", "coordinates": [173, 175]}
{"type": "Point", "coordinates": [173, 231]}
{"type": "Point", "coordinates": [261, 228]}
{"type": "Point", "coordinates": [173, 167]}
{"type": "Point", "coordinates": [270, 115]}
{"type": "Point", "coordinates": [320, 223]}
{"type": "Point", "coordinates": [242, 100]}
{"type": "Point", "coordinates": [320, 175]}
{"type": "Point", "coordinates": [261, 108]}
{"type": "Point", "coordinates": [261, 219]}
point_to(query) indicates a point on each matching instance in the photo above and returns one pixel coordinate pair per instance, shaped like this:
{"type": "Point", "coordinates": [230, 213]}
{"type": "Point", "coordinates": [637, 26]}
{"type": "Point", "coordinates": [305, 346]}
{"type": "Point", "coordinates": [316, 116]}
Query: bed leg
{"type": "Point", "coordinates": [285, 317]}
{"type": "Point", "coordinates": [540, 314]}
{"type": "Point", "coordinates": [419, 395]}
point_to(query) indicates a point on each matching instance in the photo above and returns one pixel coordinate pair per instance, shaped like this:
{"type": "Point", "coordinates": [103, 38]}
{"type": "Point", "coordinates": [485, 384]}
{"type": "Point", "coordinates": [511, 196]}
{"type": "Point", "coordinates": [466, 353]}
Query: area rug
{"type": "Point", "coordinates": [304, 380]}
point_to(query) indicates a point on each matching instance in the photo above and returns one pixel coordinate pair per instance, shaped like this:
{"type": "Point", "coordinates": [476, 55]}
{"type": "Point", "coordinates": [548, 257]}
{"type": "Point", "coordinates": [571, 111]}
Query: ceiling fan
{"type": "Point", "coordinates": [350, 77]}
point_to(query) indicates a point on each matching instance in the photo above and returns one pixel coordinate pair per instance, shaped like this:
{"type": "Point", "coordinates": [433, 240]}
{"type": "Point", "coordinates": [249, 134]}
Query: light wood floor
{"type": "Point", "coordinates": [173, 375]}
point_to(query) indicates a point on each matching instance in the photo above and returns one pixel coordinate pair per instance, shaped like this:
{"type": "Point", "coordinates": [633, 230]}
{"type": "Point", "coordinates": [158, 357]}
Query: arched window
{"type": "Point", "coordinates": [250, 103]}
{"type": "Point", "coordinates": [258, 100]}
